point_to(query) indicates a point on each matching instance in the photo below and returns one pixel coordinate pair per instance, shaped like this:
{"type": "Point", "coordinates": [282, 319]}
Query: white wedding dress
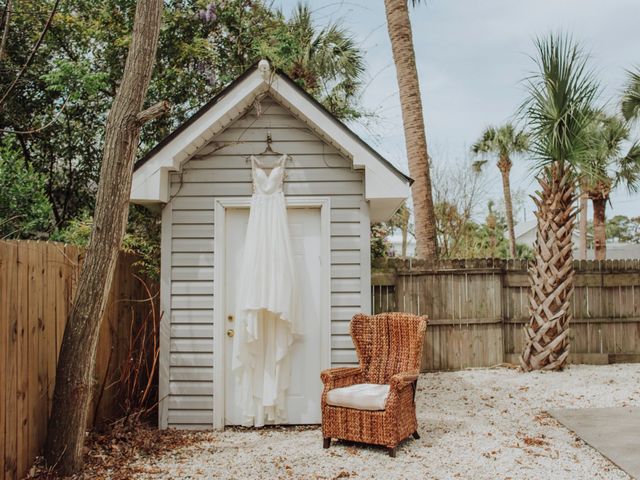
{"type": "Point", "coordinates": [266, 303]}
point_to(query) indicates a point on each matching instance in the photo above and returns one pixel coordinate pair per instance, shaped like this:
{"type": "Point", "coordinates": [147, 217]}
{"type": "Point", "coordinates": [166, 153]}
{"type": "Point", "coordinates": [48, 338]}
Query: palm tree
{"type": "Point", "coordinates": [631, 96]}
{"type": "Point", "coordinates": [558, 113]}
{"type": "Point", "coordinates": [606, 167]}
{"type": "Point", "coordinates": [504, 142]}
{"type": "Point", "coordinates": [326, 61]}
{"type": "Point", "coordinates": [399, 27]}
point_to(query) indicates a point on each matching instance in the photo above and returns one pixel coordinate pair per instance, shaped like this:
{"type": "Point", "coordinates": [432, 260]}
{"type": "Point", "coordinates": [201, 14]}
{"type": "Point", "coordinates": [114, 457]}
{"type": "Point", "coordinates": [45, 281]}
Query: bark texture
{"type": "Point", "coordinates": [399, 27]}
{"type": "Point", "coordinates": [599, 227]}
{"type": "Point", "coordinates": [584, 207]}
{"type": "Point", "coordinates": [6, 21]}
{"type": "Point", "coordinates": [551, 274]}
{"type": "Point", "coordinates": [74, 374]}
{"type": "Point", "coordinates": [504, 164]}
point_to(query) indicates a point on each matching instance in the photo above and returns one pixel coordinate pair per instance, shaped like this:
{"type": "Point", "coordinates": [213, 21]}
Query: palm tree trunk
{"type": "Point", "coordinates": [504, 164]}
{"type": "Point", "coordinates": [399, 28]}
{"type": "Point", "coordinates": [599, 227]}
{"type": "Point", "coordinates": [551, 274]}
{"type": "Point", "coordinates": [584, 206]}
{"type": "Point", "coordinates": [75, 369]}
{"type": "Point", "coordinates": [405, 235]}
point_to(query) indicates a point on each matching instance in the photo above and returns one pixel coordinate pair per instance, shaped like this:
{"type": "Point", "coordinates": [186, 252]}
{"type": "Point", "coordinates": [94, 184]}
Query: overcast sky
{"type": "Point", "coordinates": [472, 56]}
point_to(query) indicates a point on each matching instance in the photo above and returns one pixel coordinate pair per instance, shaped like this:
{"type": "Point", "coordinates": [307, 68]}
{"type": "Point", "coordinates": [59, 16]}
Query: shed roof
{"type": "Point", "coordinates": [386, 187]}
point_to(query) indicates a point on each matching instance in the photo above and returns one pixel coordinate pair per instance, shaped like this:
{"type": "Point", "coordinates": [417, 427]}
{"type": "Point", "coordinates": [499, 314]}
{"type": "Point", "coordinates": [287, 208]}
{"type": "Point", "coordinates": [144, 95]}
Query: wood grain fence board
{"type": "Point", "coordinates": [37, 284]}
{"type": "Point", "coordinates": [23, 357]}
{"type": "Point", "coordinates": [4, 327]}
{"type": "Point", "coordinates": [34, 294]}
{"type": "Point", "coordinates": [478, 308]}
{"type": "Point", "coordinates": [50, 314]}
{"type": "Point", "coordinates": [11, 364]}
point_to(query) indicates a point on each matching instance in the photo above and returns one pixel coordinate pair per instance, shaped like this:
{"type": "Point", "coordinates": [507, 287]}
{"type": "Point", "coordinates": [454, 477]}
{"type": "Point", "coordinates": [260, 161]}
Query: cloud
{"type": "Point", "coordinates": [472, 56]}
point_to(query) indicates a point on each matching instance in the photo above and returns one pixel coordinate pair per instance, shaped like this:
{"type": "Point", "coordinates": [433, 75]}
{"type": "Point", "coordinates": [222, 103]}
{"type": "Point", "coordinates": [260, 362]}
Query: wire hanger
{"type": "Point", "coordinates": [269, 150]}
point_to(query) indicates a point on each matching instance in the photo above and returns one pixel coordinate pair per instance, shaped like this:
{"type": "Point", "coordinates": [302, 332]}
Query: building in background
{"type": "Point", "coordinates": [526, 235]}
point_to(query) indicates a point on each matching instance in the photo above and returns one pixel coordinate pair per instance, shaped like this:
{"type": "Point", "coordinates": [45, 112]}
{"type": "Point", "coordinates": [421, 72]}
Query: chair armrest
{"type": "Point", "coordinates": [397, 384]}
{"type": "Point", "coordinates": [340, 377]}
{"type": "Point", "coordinates": [401, 380]}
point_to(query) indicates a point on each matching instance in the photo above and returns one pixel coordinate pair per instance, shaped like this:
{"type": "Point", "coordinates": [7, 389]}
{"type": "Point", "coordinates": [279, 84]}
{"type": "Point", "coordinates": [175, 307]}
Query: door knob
{"type": "Point", "coordinates": [230, 332]}
{"type": "Point", "coordinates": [230, 318]}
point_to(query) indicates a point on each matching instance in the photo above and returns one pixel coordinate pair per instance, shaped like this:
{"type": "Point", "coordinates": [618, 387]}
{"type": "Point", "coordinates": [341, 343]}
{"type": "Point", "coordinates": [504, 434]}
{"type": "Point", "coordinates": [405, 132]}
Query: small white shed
{"type": "Point", "coordinates": [199, 175]}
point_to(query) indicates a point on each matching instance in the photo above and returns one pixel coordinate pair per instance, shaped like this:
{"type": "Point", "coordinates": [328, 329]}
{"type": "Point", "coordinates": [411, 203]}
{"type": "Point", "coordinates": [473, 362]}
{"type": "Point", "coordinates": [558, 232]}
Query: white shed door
{"type": "Point", "coordinates": [303, 399]}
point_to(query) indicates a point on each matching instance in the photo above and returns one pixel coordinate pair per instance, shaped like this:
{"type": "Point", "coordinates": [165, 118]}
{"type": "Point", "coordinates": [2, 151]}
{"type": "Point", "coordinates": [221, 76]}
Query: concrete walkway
{"type": "Point", "coordinates": [614, 432]}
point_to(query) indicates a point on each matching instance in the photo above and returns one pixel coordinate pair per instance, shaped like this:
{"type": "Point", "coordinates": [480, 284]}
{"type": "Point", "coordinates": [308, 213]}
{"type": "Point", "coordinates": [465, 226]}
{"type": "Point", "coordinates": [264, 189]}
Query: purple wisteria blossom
{"type": "Point", "coordinates": [208, 14]}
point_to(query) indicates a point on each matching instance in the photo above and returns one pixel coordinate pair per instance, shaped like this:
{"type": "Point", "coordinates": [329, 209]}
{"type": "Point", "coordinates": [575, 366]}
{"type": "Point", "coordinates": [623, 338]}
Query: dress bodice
{"type": "Point", "coordinates": [268, 183]}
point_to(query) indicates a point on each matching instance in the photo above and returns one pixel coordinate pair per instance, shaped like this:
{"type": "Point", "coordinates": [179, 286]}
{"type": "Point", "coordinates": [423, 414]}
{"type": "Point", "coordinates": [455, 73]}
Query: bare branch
{"type": "Point", "coordinates": [32, 54]}
{"type": "Point", "coordinates": [39, 129]}
{"type": "Point", "coordinates": [153, 112]}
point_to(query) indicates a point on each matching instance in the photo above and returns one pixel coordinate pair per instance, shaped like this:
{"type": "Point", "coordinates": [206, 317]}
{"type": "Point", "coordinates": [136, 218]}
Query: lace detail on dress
{"type": "Point", "coordinates": [267, 184]}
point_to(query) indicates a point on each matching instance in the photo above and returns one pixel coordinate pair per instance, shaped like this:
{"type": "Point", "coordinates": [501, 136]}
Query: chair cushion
{"type": "Point", "coordinates": [362, 396]}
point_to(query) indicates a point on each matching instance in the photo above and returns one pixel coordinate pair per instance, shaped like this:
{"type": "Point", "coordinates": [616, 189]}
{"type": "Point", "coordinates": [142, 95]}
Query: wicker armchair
{"type": "Point", "coordinates": [389, 347]}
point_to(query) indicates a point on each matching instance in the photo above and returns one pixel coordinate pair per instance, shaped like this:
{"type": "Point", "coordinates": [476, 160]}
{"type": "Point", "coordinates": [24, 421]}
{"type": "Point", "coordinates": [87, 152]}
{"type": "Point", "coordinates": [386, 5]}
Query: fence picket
{"type": "Point", "coordinates": [37, 283]}
{"type": "Point", "coordinates": [23, 354]}
{"type": "Point", "coordinates": [4, 327]}
{"type": "Point", "coordinates": [11, 363]}
{"type": "Point", "coordinates": [479, 307]}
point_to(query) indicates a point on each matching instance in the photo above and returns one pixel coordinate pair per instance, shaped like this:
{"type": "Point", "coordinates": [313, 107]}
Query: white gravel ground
{"type": "Point", "coordinates": [475, 424]}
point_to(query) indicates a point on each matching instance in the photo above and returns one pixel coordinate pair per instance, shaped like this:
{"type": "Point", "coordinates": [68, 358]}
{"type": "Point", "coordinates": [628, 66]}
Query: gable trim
{"type": "Point", "coordinates": [385, 186]}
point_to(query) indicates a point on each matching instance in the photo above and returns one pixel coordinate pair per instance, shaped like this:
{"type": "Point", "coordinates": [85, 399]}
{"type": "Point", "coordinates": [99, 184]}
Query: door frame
{"type": "Point", "coordinates": [219, 287]}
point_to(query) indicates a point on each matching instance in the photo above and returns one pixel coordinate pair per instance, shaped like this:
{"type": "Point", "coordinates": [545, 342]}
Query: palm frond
{"type": "Point", "coordinates": [326, 61]}
{"type": "Point", "coordinates": [504, 140]}
{"type": "Point", "coordinates": [604, 166]}
{"type": "Point", "coordinates": [478, 165]}
{"type": "Point", "coordinates": [629, 169]}
{"type": "Point", "coordinates": [485, 143]}
{"type": "Point", "coordinates": [559, 108]}
{"type": "Point", "coordinates": [631, 96]}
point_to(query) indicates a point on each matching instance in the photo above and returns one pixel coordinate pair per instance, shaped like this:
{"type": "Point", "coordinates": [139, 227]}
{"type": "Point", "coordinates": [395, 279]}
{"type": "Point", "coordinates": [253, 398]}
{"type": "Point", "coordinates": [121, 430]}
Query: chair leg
{"type": "Point", "coordinates": [416, 435]}
{"type": "Point", "coordinates": [326, 442]}
{"type": "Point", "coordinates": [392, 451]}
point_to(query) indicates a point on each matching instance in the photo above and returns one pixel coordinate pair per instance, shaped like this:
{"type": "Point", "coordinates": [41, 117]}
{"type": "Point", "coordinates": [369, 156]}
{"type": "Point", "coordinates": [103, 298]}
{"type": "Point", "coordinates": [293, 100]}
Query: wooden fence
{"type": "Point", "coordinates": [37, 283]}
{"type": "Point", "coordinates": [478, 309]}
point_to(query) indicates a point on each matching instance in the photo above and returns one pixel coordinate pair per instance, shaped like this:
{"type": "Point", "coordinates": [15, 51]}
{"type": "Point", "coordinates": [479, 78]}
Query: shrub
{"type": "Point", "coordinates": [142, 237]}
{"type": "Point", "coordinates": [25, 211]}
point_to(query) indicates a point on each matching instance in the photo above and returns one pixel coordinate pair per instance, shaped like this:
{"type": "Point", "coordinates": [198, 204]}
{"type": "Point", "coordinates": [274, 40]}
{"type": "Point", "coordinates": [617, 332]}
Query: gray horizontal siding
{"type": "Point", "coordinates": [221, 169]}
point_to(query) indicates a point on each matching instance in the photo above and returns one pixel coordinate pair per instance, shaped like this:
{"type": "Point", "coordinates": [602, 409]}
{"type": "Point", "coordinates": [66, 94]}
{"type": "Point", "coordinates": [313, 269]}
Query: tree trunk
{"type": "Point", "coordinates": [584, 206]}
{"type": "Point", "coordinates": [75, 369]}
{"type": "Point", "coordinates": [6, 20]}
{"type": "Point", "coordinates": [551, 274]}
{"type": "Point", "coordinates": [504, 164]}
{"type": "Point", "coordinates": [399, 28]}
{"type": "Point", "coordinates": [405, 235]}
{"type": "Point", "coordinates": [599, 227]}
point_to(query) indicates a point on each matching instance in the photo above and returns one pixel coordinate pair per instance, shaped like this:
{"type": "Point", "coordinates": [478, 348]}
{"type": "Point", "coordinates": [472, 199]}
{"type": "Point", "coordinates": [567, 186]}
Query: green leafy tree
{"type": "Point", "coordinates": [56, 113]}
{"type": "Point", "coordinates": [380, 244]}
{"type": "Point", "coordinates": [25, 211]}
{"type": "Point", "coordinates": [401, 220]}
{"type": "Point", "coordinates": [624, 229]}
{"type": "Point", "coordinates": [143, 230]}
